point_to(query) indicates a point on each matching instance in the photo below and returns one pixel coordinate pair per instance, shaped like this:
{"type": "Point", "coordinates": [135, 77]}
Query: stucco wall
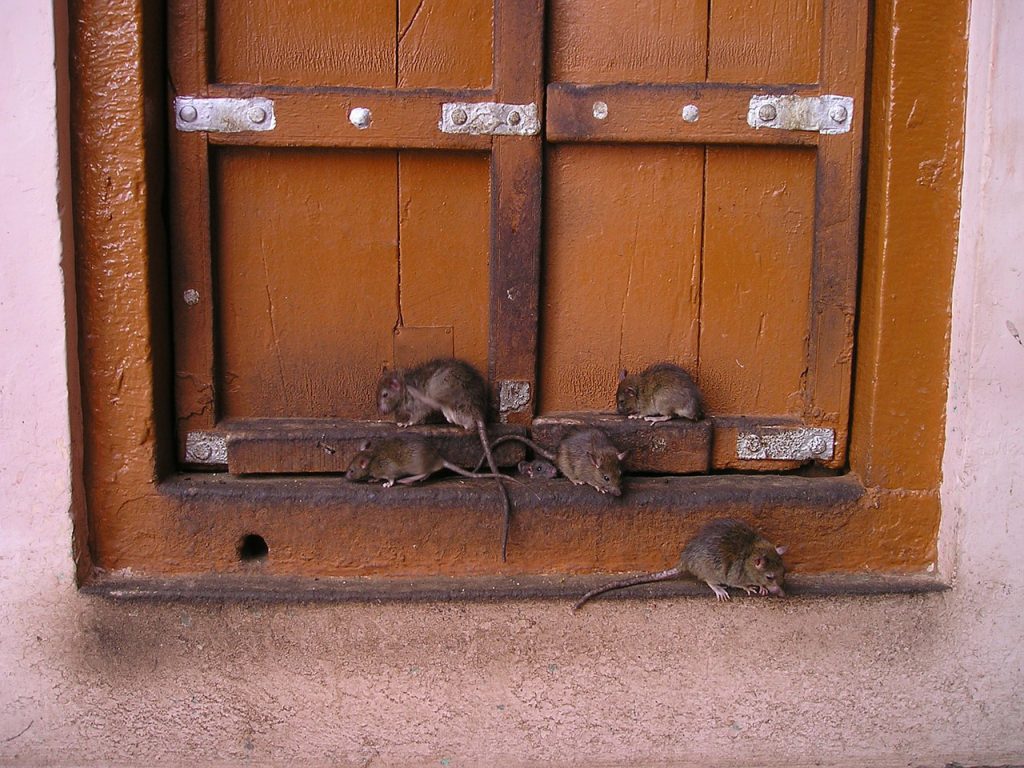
{"type": "Point", "coordinates": [897, 680]}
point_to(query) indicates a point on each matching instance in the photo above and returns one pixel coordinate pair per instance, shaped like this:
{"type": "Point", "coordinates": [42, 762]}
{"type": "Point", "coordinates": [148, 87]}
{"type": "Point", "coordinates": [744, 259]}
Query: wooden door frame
{"type": "Point", "coordinates": [182, 531]}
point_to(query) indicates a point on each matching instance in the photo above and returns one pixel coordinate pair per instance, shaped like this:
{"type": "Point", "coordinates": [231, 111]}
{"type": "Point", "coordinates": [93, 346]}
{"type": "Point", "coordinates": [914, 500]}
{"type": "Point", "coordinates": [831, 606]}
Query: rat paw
{"type": "Point", "coordinates": [720, 592]}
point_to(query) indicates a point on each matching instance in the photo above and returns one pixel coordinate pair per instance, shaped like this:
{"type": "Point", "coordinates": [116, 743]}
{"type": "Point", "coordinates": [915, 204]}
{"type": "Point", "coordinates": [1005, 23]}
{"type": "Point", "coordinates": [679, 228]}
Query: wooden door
{"type": "Point", "coordinates": [679, 223]}
{"type": "Point", "coordinates": [677, 230]}
{"type": "Point", "coordinates": [334, 228]}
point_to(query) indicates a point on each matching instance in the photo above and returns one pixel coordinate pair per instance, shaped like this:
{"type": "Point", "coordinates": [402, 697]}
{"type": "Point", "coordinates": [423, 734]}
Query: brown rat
{"type": "Point", "coordinates": [406, 459]}
{"type": "Point", "coordinates": [585, 457]}
{"type": "Point", "coordinates": [659, 393]}
{"type": "Point", "coordinates": [457, 390]}
{"type": "Point", "coordinates": [723, 553]}
{"type": "Point", "coordinates": [538, 469]}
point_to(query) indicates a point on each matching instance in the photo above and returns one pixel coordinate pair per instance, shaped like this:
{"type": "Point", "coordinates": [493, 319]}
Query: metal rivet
{"type": "Point", "coordinates": [600, 110]}
{"type": "Point", "coordinates": [838, 113]}
{"type": "Point", "coordinates": [191, 297]}
{"type": "Point", "coordinates": [514, 118]}
{"type": "Point", "coordinates": [188, 113]}
{"type": "Point", "coordinates": [767, 113]}
{"type": "Point", "coordinates": [204, 452]}
{"type": "Point", "coordinates": [459, 116]}
{"type": "Point", "coordinates": [690, 113]}
{"type": "Point", "coordinates": [754, 444]}
{"type": "Point", "coordinates": [257, 115]}
{"type": "Point", "coordinates": [360, 117]}
{"type": "Point", "coordinates": [818, 445]}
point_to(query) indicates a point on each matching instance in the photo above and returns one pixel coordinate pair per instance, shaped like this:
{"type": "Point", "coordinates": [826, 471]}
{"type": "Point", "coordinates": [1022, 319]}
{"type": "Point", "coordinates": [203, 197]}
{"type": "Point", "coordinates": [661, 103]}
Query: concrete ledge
{"type": "Point", "coordinates": [258, 588]}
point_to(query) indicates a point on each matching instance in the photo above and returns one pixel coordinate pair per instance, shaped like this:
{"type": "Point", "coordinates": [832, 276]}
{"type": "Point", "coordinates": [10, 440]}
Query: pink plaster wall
{"type": "Point", "coordinates": [889, 681]}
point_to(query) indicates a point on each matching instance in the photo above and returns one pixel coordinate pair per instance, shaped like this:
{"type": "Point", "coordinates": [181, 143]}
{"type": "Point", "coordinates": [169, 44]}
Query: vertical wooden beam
{"type": "Point", "coordinates": [192, 289]}
{"type": "Point", "coordinates": [516, 168]}
{"type": "Point", "coordinates": [837, 229]}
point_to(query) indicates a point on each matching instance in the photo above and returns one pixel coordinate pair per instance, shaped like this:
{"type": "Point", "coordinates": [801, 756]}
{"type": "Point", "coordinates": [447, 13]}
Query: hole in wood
{"type": "Point", "coordinates": [252, 547]}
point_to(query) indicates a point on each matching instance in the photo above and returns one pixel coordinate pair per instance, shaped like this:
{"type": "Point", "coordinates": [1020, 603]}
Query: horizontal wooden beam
{"type": "Point", "coordinates": [654, 114]}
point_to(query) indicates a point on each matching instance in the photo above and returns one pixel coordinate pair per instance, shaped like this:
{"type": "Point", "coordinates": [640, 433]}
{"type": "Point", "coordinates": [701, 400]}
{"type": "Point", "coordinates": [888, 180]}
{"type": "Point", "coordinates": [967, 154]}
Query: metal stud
{"type": "Point", "coordinates": [767, 113]}
{"type": "Point", "coordinates": [838, 113]}
{"type": "Point", "coordinates": [459, 116]}
{"type": "Point", "coordinates": [257, 115]}
{"type": "Point", "coordinates": [360, 117]}
{"type": "Point", "coordinates": [514, 118]}
{"type": "Point", "coordinates": [691, 113]}
{"type": "Point", "coordinates": [188, 113]}
{"type": "Point", "coordinates": [600, 110]}
{"type": "Point", "coordinates": [191, 296]}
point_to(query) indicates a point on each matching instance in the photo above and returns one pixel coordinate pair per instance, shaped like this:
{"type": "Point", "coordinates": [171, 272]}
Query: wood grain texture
{"type": "Point", "coordinates": [622, 269]}
{"type": "Point", "coordinates": [307, 270]}
{"type": "Point", "coordinates": [445, 43]}
{"type": "Point", "coordinates": [759, 230]}
{"type": "Point", "coordinates": [766, 41]}
{"type": "Point", "coordinates": [632, 41]}
{"type": "Point", "coordinates": [444, 268]}
{"type": "Point", "coordinates": [305, 42]}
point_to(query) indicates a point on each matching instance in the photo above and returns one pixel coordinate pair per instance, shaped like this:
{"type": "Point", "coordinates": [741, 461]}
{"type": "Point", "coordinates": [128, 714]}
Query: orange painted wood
{"type": "Point", "coordinates": [645, 113]}
{"type": "Point", "coordinates": [445, 43]}
{"type": "Point", "coordinates": [273, 446]}
{"type": "Point", "coordinates": [304, 42]}
{"type": "Point", "coordinates": [516, 179]}
{"type": "Point", "coordinates": [675, 447]}
{"type": "Point", "coordinates": [321, 118]}
{"type": "Point", "coordinates": [756, 288]}
{"type": "Point", "coordinates": [767, 41]}
{"type": "Point", "coordinates": [191, 288]}
{"type": "Point", "coordinates": [837, 234]}
{"type": "Point", "coordinates": [444, 268]}
{"type": "Point", "coordinates": [622, 268]}
{"type": "Point", "coordinates": [632, 41]}
{"type": "Point", "coordinates": [307, 270]}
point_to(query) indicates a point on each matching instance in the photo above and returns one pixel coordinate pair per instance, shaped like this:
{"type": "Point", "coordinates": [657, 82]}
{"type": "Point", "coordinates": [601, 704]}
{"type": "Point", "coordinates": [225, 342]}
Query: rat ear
{"type": "Point", "coordinates": [364, 462]}
{"type": "Point", "coordinates": [759, 562]}
{"type": "Point", "coordinates": [622, 455]}
{"type": "Point", "coordinates": [593, 459]}
{"type": "Point", "coordinates": [364, 446]}
{"type": "Point", "coordinates": [623, 373]}
{"type": "Point", "coordinates": [781, 550]}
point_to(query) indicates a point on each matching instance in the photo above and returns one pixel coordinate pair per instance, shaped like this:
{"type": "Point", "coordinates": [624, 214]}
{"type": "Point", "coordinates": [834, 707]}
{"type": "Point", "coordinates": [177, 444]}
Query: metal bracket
{"type": "Point", "coordinates": [513, 396]}
{"type": "Point", "coordinates": [224, 115]}
{"type": "Point", "coordinates": [206, 448]}
{"type": "Point", "coordinates": [825, 114]}
{"type": "Point", "coordinates": [787, 444]}
{"type": "Point", "coordinates": [489, 118]}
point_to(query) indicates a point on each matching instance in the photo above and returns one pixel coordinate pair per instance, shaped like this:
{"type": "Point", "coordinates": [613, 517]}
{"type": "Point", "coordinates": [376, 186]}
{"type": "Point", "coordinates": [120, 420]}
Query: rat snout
{"type": "Point", "coordinates": [777, 590]}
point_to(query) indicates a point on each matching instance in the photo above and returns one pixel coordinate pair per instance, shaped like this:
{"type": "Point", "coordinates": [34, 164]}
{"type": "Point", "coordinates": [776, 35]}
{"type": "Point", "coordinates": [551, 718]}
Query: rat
{"type": "Point", "coordinates": [723, 553]}
{"type": "Point", "coordinates": [538, 469]}
{"type": "Point", "coordinates": [407, 459]}
{"type": "Point", "coordinates": [659, 393]}
{"type": "Point", "coordinates": [586, 457]}
{"type": "Point", "coordinates": [457, 390]}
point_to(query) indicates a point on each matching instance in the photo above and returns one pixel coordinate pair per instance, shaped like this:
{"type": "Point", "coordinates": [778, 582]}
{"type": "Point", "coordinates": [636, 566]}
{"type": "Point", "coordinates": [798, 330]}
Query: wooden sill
{"type": "Point", "coordinates": [270, 589]}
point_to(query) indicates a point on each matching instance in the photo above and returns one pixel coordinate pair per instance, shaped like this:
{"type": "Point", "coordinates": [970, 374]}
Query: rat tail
{"type": "Point", "coordinates": [517, 439]}
{"type": "Point", "coordinates": [507, 520]}
{"type": "Point", "coordinates": [646, 578]}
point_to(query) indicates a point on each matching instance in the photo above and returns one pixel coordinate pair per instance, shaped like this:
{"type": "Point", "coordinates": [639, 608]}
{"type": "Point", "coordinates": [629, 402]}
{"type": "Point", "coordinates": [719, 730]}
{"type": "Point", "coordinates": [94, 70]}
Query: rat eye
{"type": "Point", "coordinates": [770, 576]}
{"type": "Point", "coordinates": [606, 478]}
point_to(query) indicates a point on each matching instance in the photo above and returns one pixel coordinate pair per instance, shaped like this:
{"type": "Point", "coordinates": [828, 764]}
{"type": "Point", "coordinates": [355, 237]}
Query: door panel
{"type": "Point", "coordinates": [758, 250]}
{"type": "Point", "coordinates": [631, 41]}
{"type": "Point", "coordinates": [306, 276]}
{"type": "Point", "coordinates": [621, 269]}
{"type": "Point", "coordinates": [304, 42]}
{"type": "Point", "coordinates": [445, 43]}
{"type": "Point", "coordinates": [444, 273]}
{"type": "Point", "coordinates": [766, 41]}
